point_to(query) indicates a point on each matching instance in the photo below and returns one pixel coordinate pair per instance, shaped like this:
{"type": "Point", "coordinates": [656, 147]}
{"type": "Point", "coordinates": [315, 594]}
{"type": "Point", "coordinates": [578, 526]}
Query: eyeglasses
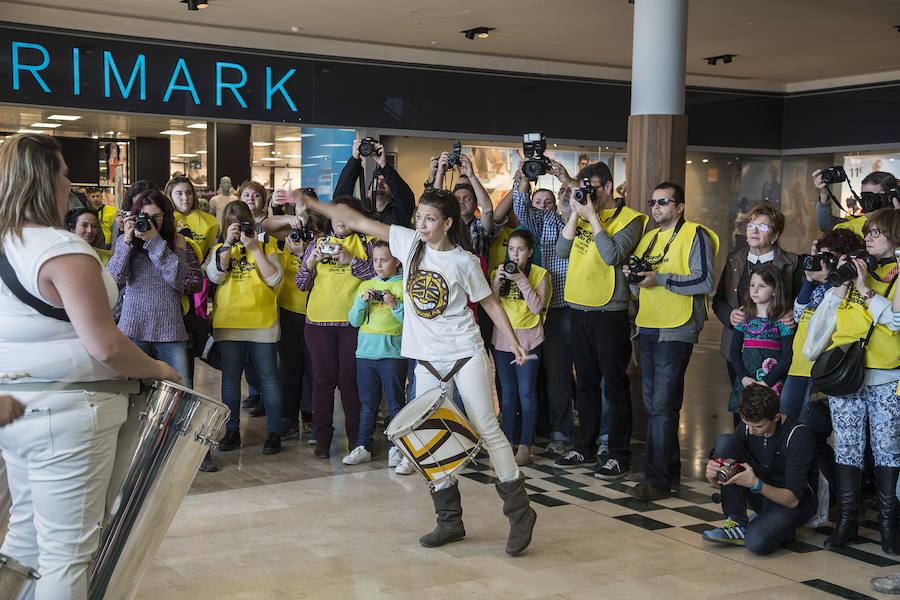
{"type": "Point", "coordinates": [661, 202]}
{"type": "Point", "coordinates": [874, 232]}
{"type": "Point", "coordinates": [761, 227]}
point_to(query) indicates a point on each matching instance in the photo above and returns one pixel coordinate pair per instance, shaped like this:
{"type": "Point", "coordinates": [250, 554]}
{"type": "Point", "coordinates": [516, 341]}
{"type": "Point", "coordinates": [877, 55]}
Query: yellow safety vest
{"type": "Point", "coordinates": [853, 320]}
{"type": "Point", "coordinates": [854, 224]}
{"type": "Point", "coordinates": [380, 318]}
{"type": "Point", "coordinates": [589, 280]}
{"type": "Point", "coordinates": [497, 252]}
{"type": "Point", "coordinates": [103, 255]}
{"type": "Point", "coordinates": [243, 300]}
{"type": "Point", "coordinates": [801, 367]}
{"type": "Point", "coordinates": [203, 226]}
{"type": "Point", "coordinates": [335, 285]}
{"type": "Point", "coordinates": [520, 316]}
{"type": "Point", "coordinates": [658, 306]}
{"type": "Point", "coordinates": [289, 297]}
{"type": "Point", "coordinates": [107, 215]}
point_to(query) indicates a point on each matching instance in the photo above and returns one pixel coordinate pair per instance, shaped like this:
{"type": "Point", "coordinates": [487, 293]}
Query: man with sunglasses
{"type": "Point", "coordinates": [672, 307]}
{"type": "Point", "coordinates": [598, 238]}
{"type": "Point", "coordinates": [874, 193]}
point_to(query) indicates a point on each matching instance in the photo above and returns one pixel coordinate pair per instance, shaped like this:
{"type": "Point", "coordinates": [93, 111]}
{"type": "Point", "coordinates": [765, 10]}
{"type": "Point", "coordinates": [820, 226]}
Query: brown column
{"type": "Point", "coordinates": [657, 150]}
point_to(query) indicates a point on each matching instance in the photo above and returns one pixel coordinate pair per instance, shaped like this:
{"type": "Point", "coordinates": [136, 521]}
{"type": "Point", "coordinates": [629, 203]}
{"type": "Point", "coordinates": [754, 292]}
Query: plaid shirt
{"type": "Point", "coordinates": [545, 225]}
{"type": "Point", "coordinates": [481, 239]}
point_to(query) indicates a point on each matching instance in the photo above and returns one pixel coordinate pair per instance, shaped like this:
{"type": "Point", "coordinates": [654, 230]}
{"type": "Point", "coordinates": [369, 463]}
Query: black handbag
{"type": "Point", "coordinates": [840, 371]}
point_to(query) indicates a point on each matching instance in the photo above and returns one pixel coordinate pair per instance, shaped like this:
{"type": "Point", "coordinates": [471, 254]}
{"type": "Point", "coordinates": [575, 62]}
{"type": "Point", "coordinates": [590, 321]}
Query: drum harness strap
{"type": "Point", "coordinates": [446, 378]}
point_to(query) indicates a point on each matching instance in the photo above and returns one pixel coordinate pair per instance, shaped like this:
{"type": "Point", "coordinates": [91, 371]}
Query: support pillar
{"type": "Point", "coordinates": [228, 152]}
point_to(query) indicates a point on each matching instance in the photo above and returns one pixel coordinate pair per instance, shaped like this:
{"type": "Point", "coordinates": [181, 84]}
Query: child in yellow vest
{"type": "Point", "coordinates": [190, 221]}
{"type": "Point", "coordinates": [524, 295]}
{"type": "Point", "coordinates": [378, 312]}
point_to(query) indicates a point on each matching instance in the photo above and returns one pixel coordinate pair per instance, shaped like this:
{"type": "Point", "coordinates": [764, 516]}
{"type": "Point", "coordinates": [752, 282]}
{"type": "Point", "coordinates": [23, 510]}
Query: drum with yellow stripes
{"type": "Point", "coordinates": [434, 435]}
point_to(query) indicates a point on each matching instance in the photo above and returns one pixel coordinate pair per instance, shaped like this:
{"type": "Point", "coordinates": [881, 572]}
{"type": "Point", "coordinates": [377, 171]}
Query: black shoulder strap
{"type": "Point", "coordinates": [8, 275]}
{"type": "Point", "coordinates": [456, 367]}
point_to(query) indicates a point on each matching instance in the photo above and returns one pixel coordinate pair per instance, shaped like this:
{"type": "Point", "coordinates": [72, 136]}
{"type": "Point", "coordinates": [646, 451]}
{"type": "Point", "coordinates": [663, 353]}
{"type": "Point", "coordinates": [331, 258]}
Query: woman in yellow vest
{"type": "Point", "coordinates": [84, 223]}
{"type": "Point", "coordinates": [190, 221]}
{"type": "Point", "coordinates": [524, 295]}
{"type": "Point", "coordinates": [847, 313]}
{"type": "Point", "coordinates": [331, 272]}
{"type": "Point", "coordinates": [245, 319]}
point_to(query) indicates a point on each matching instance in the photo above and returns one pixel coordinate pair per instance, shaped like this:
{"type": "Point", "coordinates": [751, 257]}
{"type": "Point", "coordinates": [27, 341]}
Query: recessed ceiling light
{"type": "Point", "coordinates": [335, 145]}
{"type": "Point", "coordinates": [263, 143]}
{"type": "Point", "coordinates": [690, 162]}
{"type": "Point", "coordinates": [481, 32]}
{"type": "Point", "coordinates": [173, 132]}
{"type": "Point", "coordinates": [46, 125]}
{"type": "Point", "coordinates": [298, 156]}
{"type": "Point", "coordinates": [270, 158]}
{"type": "Point", "coordinates": [289, 138]}
{"type": "Point", "coordinates": [295, 29]}
{"type": "Point", "coordinates": [201, 151]}
{"type": "Point", "coordinates": [95, 137]}
{"type": "Point", "coordinates": [187, 155]}
{"type": "Point", "coordinates": [64, 117]}
{"type": "Point", "coordinates": [30, 131]}
{"type": "Point", "coordinates": [197, 126]}
{"type": "Point", "coordinates": [318, 156]}
{"type": "Point", "coordinates": [705, 160]}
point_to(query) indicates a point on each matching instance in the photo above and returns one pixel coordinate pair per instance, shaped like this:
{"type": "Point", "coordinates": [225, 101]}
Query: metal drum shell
{"type": "Point", "coordinates": [176, 427]}
{"type": "Point", "coordinates": [15, 578]}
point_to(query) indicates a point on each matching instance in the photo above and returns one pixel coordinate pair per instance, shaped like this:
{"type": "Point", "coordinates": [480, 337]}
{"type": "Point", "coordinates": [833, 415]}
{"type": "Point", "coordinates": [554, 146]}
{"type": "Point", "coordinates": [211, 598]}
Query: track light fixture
{"type": "Point", "coordinates": [725, 58]}
{"type": "Point", "coordinates": [481, 32]}
{"type": "Point", "coordinates": [195, 4]}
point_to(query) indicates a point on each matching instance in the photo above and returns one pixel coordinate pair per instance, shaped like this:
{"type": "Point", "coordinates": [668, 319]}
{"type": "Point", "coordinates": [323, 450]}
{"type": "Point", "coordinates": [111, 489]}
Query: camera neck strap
{"type": "Point", "coordinates": [838, 204]}
{"type": "Point", "coordinates": [620, 204]}
{"type": "Point", "coordinates": [8, 275]}
{"type": "Point", "coordinates": [678, 227]}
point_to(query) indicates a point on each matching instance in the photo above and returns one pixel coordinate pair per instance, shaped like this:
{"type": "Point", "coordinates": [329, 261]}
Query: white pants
{"type": "Point", "coordinates": [59, 459]}
{"type": "Point", "coordinates": [475, 382]}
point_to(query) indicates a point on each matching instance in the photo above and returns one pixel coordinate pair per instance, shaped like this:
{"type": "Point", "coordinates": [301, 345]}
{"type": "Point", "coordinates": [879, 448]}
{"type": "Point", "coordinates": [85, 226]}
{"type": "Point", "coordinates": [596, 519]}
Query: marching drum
{"type": "Point", "coordinates": [434, 435]}
{"type": "Point", "coordinates": [5, 499]}
{"type": "Point", "coordinates": [161, 446]}
{"type": "Point", "coordinates": [16, 579]}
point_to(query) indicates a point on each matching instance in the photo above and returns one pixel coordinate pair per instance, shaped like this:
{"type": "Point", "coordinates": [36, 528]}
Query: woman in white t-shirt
{"type": "Point", "coordinates": [67, 365]}
{"type": "Point", "coordinates": [438, 328]}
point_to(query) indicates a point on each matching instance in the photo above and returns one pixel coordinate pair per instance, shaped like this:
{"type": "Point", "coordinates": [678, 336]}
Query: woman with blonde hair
{"type": "Point", "coordinates": [62, 356]}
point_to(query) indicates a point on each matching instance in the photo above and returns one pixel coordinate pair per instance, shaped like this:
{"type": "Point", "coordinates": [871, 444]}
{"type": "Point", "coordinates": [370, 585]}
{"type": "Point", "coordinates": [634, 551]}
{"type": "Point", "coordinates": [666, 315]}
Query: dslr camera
{"type": "Point", "coordinates": [847, 271]}
{"type": "Point", "coordinates": [637, 265]}
{"type": "Point", "coordinates": [303, 234]}
{"type": "Point", "coordinates": [872, 201]}
{"type": "Point", "coordinates": [834, 174]}
{"type": "Point", "coordinates": [728, 468]}
{"type": "Point", "coordinates": [454, 159]}
{"type": "Point", "coordinates": [367, 146]}
{"type": "Point", "coordinates": [814, 262]}
{"type": "Point", "coordinates": [509, 267]}
{"type": "Point", "coordinates": [247, 229]}
{"type": "Point", "coordinates": [585, 192]}
{"type": "Point", "coordinates": [536, 164]}
{"type": "Point", "coordinates": [142, 223]}
{"type": "Point", "coordinates": [376, 295]}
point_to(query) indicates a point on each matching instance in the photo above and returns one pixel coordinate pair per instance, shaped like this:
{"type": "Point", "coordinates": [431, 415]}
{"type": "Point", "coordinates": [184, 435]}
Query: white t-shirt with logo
{"type": "Point", "coordinates": [437, 324]}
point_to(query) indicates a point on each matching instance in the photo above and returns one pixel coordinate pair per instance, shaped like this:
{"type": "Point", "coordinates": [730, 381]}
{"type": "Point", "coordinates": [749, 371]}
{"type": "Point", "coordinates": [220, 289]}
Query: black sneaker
{"type": "Point", "coordinates": [230, 441]}
{"type": "Point", "coordinates": [273, 444]}
{"type": "Point", "coordinates": [611, 469]}
{"type": "Point", "coordinates": [208, 465]}
{"type": "Point", "coordinates": [571, 458]}
{"type": "Point", "coordinates": [322, 451]}
{"type": "Point", "coordinates": [259, 410]}
{"type": "Point", "coordinates": [251, 401]}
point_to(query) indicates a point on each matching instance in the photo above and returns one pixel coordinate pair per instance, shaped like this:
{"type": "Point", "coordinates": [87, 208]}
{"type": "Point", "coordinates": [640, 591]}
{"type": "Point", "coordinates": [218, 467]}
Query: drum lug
{"type": "Point", "coordinates": [205, 433]}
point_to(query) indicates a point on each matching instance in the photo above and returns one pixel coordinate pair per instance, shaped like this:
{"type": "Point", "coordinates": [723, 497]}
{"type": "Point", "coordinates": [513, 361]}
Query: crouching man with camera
{"type": "Point", "coordinates": [769, 462]}
{"type": "Point", "coordinates": [672, 275]}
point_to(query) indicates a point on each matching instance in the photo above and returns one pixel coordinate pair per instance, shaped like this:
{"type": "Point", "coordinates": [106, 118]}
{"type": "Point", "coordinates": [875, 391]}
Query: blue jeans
{"type": "Point", "coordinates": [519, 385]}
{"type": "Point", "coordinates": [252, 378]}
{"type": "Point", "coordinates": [371, 377]}
{"type": "Point", "coordinates": [774, 523]}
{"type": "Point", "coordinates": [265, 360]}
{"type": "Point", "coordinates": [663, 365]}
{"type": "Point", "coordinates": [604, 419]}
{"type": "Point", "coordinates": [174, 354]}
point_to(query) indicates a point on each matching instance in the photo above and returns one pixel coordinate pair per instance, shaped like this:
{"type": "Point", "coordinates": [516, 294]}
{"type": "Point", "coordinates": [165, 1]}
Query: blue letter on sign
{"type": "Point", "coordinates": [16, 67]}
{"type": "Point", "coordinates": [139, 67]}
{"type": "Point", "coordinates": [270, 91]}
{"type": "Point", "coordinates": [76, 72]}
{"type": "Point", "coordinates": [232, 86]}
{"type": "Point", "coordinates": [181, 66]}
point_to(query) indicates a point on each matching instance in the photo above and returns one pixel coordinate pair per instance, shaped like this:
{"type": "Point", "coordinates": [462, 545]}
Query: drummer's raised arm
{"type": "Point", "coordinates": [353, 219]}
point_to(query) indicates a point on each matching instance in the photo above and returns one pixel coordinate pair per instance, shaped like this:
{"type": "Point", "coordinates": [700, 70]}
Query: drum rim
{"type": "Point", "coordinates": [403, 431]}
{"type": "Point", "coordinates": [158, 384]}
{"type": "Point", "coordinates": [8, 562]}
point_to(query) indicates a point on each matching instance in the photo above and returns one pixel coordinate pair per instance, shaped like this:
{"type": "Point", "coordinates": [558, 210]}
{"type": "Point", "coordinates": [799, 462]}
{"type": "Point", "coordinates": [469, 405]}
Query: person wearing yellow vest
{"type": "Point", "coordinates": [798, 385]}
{"type": "Point", "coordinates": [672, 308]}
{"type": "Point", "coordinates": [84, 223]}
{"type": "Point", "coordinates": [845, 315]}
{"type": "Point", "coordinates": [378, 312]}
{"type": "Point", "coordinates": [524, 295]}
{"type": "Point", "coordinates": [106, 215]}
{"type": "Point", "coordinates": [598, 238]}
{"type": "Point", "coordinates": [873, 195]}
{"type": "Point", "coordinates": [191, 222]}
{"type": "Point", "coordinates": [245, 319]}
{"type": "Point", "coordinates": [331, 272]}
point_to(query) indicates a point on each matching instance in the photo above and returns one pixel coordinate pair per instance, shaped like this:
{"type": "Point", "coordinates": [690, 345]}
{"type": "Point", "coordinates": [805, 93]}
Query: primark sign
{"type": "Point", "coordinates": [94, 72]}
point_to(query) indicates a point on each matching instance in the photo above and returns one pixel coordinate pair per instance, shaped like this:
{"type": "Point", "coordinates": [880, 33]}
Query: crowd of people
{"type": "Point", "coordinates": [385, 295]}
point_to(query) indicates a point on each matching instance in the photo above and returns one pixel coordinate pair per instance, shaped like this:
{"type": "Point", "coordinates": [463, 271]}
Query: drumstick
{"type": "Point", "coordinates": [529, 357]}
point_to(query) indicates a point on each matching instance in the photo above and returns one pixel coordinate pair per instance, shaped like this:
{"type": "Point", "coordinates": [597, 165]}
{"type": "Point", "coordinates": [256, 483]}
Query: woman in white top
{"type": "Point", "coordinates": [438, 328]}
{"type": "Point", "coordinates": [70, 374]}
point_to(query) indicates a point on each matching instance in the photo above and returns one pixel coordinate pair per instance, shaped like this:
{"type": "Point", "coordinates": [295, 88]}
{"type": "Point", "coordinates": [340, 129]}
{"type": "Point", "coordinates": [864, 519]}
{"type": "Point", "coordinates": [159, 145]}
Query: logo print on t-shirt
{"type": "Point", "coordinates": [429, 293]}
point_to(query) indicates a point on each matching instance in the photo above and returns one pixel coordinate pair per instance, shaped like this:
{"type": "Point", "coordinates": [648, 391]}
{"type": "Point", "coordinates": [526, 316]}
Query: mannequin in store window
{"type": "Point", "coordinates": [223, 197]}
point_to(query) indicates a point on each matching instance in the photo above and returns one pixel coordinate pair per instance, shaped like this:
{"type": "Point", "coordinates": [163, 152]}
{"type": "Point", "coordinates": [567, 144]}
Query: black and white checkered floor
{"type": "Point", "coordinates": [688, 512]}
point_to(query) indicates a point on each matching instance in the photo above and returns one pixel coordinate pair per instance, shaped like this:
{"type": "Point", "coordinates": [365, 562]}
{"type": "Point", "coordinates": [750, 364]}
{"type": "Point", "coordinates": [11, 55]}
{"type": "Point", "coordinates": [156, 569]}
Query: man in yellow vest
{"type": "Point", "coordinates": [672, 288]}
{"type": "Point", "coordinates": [875, 192]}
{"type": "Point", "coordinates": [598, 238]}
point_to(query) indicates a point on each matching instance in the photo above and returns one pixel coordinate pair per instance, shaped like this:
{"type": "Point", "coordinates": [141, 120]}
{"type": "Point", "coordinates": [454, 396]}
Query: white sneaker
{"type": "Point", "coordinates": [404, 468]}
{"type": "Point", "coordinates": [394, 456]}
{"type": "Point", "coordinates": [357, 456]}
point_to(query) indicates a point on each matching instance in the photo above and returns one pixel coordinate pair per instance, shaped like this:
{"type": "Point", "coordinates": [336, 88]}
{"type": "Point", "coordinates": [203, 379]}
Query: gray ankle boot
{"type": "Point", "coordinates": [449, 528]}
{"type": "Point", "coordinates": [520, 514]}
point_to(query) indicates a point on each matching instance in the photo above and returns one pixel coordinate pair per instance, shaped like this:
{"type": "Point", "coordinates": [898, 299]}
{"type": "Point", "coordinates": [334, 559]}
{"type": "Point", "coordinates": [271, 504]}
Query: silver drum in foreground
{"type": "Point", "coordinates": [16, 580]}
{"type": "Point", "coordinates": [173, 429]}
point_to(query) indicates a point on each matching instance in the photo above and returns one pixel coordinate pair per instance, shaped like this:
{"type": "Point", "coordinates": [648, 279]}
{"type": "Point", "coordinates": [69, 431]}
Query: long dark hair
{"type": "Point", "coordinates": [448, 206]}
{"type": "Point", "coordinates": [525, 236]}
{"type": "Point", "coordinates": [770, 274]}
{"type": "Point", "coordinates": [71, 221]}
{"type": "Point", "coordinates": [195, 203]}
{"type": "Point", "coordinates": [162, 202]}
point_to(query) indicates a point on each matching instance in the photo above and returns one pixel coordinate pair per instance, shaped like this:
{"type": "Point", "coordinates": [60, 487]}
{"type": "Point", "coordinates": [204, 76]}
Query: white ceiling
{"type": "Point", "coordinates": [777, 42]}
